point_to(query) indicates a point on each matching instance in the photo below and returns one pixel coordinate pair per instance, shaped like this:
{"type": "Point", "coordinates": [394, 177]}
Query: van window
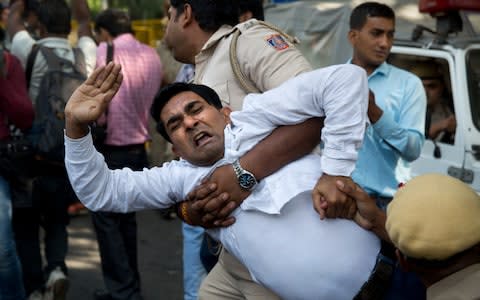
{"type": "Point", "coordinates": [473, 79]}
{"type": "Point", "coordinates": [440, 122]}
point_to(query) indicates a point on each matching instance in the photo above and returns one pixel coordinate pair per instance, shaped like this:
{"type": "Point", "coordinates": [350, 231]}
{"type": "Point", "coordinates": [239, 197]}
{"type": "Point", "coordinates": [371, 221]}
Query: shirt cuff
{"type": "Point", "coordinates": [337, 167]}
{"type": "Point", "coordinates": [79, 149]}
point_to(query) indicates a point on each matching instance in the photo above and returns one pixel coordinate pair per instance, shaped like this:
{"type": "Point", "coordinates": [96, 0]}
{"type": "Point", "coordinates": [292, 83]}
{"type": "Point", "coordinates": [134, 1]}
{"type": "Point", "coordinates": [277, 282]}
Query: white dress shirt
{"type": "Point", "coordinates": [339, 93]}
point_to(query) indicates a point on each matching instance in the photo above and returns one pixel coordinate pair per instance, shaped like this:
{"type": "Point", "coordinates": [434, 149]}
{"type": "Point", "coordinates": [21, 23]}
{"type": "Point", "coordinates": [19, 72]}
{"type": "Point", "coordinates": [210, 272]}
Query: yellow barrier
{"type": "Point", "coordinates": [146, 31]}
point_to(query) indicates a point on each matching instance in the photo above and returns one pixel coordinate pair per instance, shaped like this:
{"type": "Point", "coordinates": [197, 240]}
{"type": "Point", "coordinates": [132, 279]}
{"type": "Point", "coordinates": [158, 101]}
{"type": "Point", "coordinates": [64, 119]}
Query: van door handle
{"type": "Point", "coordinates": [463, 174]}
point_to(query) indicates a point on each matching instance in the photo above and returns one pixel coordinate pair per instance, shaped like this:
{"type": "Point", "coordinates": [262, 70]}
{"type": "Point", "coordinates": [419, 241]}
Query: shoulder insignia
{"type": "Point", "coordinates": [277, 42]}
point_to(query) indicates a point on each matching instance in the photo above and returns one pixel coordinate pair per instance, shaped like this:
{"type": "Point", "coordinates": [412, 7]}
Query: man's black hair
{"type": "Point", "coordinates": [359, 15]}
{"type": "Point", "coordinates": [114, 21]}
{"type": "Point", "coordinates": [210, 14]}
{"type": "Point", "coordinates": [55, 16]}
{"type": "Point", "coordinates": [253, 6]}
{"type": "Point", "coordinates": [169, 91]}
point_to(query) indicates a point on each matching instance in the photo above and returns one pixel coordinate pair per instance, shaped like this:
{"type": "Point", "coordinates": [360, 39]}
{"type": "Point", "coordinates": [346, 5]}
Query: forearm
{"type": "Point", "coordinates": [15, 19]}
{"type": "Point", "coordinates": [284, 145]}
{"type": "Point", "coordinates": [212, 206]}
{"type": "Point", "coordinates": [435, 129]}
{"type": "Point", "coordinates": [345, 105]}
{"type": "Point", "coordinates": [81, 13]}
{"type": "Point", "coordinates": [406, 140]}
{"type": "Point", "coordinates": [378, 227]}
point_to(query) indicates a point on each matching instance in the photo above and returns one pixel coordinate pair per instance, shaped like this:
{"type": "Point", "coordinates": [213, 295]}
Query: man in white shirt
{"type": "Point", "coordinates": [277, 235]}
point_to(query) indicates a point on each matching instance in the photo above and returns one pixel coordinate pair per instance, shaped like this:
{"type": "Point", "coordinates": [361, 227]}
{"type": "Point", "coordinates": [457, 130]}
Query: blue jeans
{"type": "Point", "coordinates": [11, 284]}
{"type": "Point", "coordinates": [193, 270]}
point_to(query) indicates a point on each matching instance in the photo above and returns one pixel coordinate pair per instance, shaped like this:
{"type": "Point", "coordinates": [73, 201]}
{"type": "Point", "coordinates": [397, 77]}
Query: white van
{"type": "Point", "coordinates": [322, 28]}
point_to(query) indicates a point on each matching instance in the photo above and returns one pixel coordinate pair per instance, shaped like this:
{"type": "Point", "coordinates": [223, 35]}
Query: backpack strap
{"type": "Point", "coordinates": [55, 62]}
{"type": "Point", "coordinates": [110, 50]}
{"type": "Point", "coordinates": [79, 58]}
{"type": "Point", "coordinates": [244, 82]}
{"type": "Point", "coordinates": [109, 58]}
{"type": "Point", "coordinates": [30, 62]}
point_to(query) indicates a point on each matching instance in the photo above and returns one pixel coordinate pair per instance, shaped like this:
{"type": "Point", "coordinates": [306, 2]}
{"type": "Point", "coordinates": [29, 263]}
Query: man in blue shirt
{"type": "Point", "coordinates": [396, 110]}
{"type": "Point", "coordinates": [397, 105]}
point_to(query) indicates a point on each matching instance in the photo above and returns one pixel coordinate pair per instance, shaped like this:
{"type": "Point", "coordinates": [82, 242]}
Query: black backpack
{"type": "Point", "coordinates": [56, 87]}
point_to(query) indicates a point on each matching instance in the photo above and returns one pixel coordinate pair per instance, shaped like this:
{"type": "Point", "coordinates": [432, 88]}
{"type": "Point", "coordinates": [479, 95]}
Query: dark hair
{"type": "Point", "coordinates": [359, 15]}
{"type": "Point", "coordinates": [114, 21]}
{"type": "Point", "coordinates": [169, 91]}
{"type": "Point", "coordinates": [54, 15]}
{"type": "Point", "coordinates": [210, 14]}
{"type": "Point", "coordinates": [253, 6]}
{"type": "Point", "coordinates": [31, 6]}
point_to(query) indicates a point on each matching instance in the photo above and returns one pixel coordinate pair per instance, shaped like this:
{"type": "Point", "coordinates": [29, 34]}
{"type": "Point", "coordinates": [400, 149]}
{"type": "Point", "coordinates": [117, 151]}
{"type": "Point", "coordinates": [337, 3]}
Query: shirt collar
{"type": "Point", "coordinates": [383, 69]}
{"type": "Point", "coordinates": [222, 32]}
{"type": "Point", "coordinates": [123, 38]}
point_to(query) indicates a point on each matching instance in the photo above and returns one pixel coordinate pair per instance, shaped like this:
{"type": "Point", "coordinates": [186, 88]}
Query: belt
{"type": "Point", "coordinates": [379, 281]}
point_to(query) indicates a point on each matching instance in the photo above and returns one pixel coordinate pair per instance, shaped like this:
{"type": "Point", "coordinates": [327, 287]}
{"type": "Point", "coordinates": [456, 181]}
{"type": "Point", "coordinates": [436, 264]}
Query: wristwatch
{"type": "Point", "coordinates": [246, 179]}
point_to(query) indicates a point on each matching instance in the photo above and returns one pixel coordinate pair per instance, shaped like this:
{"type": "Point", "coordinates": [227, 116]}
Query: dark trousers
{"type": "Point", "coordinates": [52, 194]}
{"type": "Point", "coordinates": [117, 232]}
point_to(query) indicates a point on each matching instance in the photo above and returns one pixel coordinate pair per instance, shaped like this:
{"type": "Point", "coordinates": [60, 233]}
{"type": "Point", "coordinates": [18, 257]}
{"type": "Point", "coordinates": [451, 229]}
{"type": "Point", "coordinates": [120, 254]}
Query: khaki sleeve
{"type": "Point", "coordinates": [267, 58]}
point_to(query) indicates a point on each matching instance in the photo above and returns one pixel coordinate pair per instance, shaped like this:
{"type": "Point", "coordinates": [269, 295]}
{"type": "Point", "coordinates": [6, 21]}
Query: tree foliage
{"type": "Point", "coordinates": [139, 9]}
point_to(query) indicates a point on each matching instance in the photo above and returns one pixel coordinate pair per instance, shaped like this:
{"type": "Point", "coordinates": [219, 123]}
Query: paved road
{"type": "Point", "coordinates": [160, 255]}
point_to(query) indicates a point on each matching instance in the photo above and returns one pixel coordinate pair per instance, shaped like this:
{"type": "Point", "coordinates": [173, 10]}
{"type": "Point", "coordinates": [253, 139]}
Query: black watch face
{"type": "Point", "coordinates": [246, 181]}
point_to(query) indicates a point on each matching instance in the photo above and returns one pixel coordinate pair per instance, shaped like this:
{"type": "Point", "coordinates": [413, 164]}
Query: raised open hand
{"type": "Point", "coordinates": [91, 99]}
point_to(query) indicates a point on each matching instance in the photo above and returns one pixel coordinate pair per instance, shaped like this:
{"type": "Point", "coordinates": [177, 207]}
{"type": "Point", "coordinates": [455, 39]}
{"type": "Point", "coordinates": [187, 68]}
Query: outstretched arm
{"type": "Point", "coordinates": [91, 99]}
{"type": "Point", "coordinates": [15, 19]}
{"type": "Point", "coordinates": [81, 13]}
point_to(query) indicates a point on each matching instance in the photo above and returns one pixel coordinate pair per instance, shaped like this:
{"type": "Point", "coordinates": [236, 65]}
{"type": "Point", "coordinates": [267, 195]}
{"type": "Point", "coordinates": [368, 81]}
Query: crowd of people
{"type": "Point", "coordinates": [299, 177]}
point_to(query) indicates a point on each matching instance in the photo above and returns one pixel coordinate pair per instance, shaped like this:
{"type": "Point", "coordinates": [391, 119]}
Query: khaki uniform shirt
{"type": "Point", "coordinates": [266, 58]}
{"type": "Point", "coordinates": [463, 285]}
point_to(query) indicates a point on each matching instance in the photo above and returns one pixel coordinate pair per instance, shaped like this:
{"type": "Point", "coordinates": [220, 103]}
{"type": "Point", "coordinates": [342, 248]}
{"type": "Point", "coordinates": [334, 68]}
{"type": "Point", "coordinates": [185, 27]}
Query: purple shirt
{"type": "Point", "coordinates": [142, 74]}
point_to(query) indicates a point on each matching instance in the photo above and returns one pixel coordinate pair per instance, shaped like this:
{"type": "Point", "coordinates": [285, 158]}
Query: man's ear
{"type": "Point", "coordinates": [226, 111]}
{"type": "Point", "coordinates": [352, 35]}
{"type": "Point", "coordinates": [188, 17]}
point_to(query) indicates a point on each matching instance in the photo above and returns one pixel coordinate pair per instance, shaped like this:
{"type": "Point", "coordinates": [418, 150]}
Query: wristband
{"type": "Point", "coordinates": [184, 213]}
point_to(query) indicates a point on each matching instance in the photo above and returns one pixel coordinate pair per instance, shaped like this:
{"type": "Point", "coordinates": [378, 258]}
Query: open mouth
{"type": "Point", "coordinates": [201, 139]}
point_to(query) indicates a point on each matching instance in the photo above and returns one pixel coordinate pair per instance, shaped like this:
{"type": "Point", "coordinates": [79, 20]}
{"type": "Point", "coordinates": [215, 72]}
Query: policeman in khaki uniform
{"type": "Point", "coordinates": [266, 59]}
{"type": "Point", "coordinates": [434, 221]}
{"type": "Point", "coordinates": [201, 33]}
